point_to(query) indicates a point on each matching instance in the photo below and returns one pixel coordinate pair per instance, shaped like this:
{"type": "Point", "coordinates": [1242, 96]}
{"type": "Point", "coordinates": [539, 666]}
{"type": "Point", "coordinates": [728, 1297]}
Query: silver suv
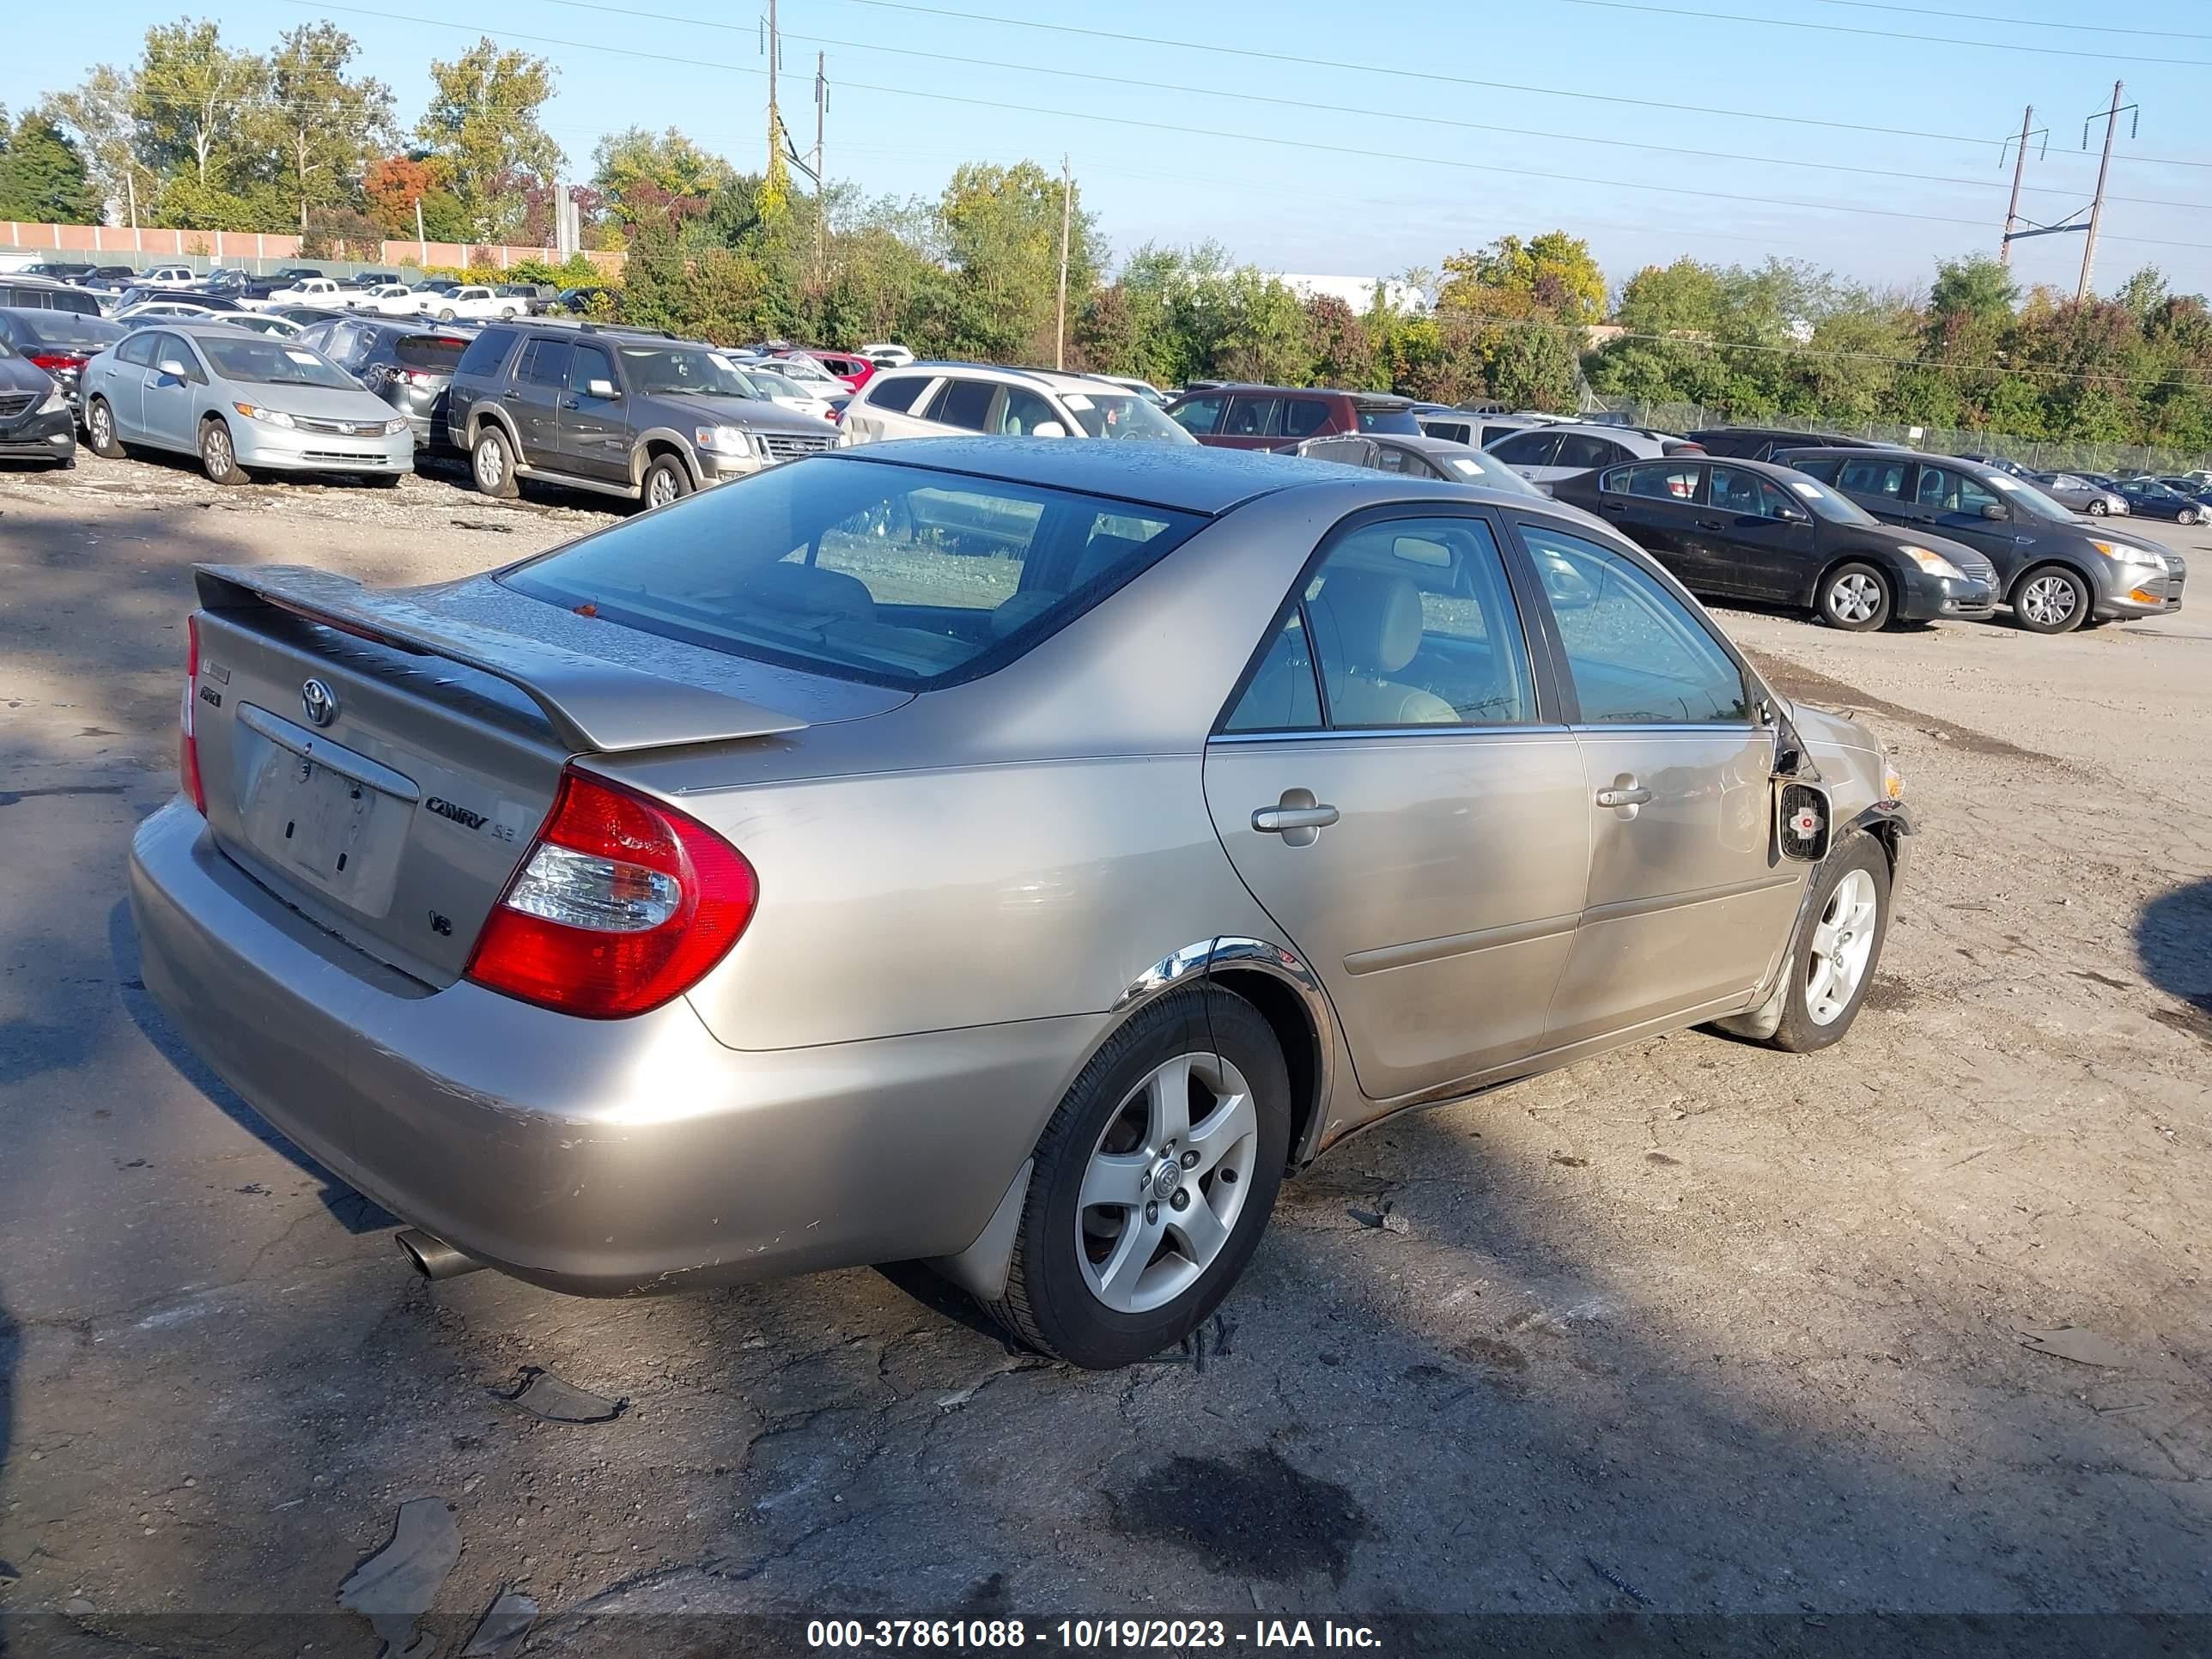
{"type": "Point", "coordinates": [950, 400]}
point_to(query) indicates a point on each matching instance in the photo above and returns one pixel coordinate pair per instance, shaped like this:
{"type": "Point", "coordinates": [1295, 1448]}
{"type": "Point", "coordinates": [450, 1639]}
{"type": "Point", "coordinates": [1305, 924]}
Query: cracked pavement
{"type": "Point", "coordinates": [1735, 1329]}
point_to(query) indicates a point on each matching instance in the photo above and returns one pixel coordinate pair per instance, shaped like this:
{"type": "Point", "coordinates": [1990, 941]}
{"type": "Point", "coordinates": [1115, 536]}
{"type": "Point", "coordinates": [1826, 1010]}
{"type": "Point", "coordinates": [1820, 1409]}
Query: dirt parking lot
{"type": "Point", "coordinates": [1696, 1327]}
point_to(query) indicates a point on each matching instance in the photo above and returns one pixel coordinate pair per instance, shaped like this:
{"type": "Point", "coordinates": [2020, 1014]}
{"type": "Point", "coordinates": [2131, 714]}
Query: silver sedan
{"type": "Point", "coordinates": [2080, 495]}
{"type": "Point", "coordinates": [1014, 856]}
{"type": "Point", "coordinates": [243, 403]}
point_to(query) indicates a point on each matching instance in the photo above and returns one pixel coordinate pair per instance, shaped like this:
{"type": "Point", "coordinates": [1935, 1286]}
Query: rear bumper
{"type": "Point", "coordinates": [596, 1158]}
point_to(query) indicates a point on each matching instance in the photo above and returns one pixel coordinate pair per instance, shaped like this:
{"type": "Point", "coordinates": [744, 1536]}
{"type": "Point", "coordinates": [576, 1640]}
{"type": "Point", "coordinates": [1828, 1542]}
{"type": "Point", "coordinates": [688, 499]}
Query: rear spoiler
{"type": "Point", "coordinates": [593, 705]}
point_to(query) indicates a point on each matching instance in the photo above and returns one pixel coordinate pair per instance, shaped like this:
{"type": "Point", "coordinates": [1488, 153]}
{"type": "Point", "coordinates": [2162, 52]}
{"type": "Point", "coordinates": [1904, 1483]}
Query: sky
{"type": "Point", "coordinates": [1386, 157]}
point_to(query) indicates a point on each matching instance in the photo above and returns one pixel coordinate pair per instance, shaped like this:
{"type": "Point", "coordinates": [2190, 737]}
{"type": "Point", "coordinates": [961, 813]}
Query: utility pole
{"type": "Point", "coordinates": [821, 179]}
{"type": "Point", "coordinates": [2019, 167]}
{"type": "Point", "coordinates": [2097, 207]}
{"type": "Point", "coordinates": [422, 244]}
{"type": "Point", "coordinates": [1059, 322]}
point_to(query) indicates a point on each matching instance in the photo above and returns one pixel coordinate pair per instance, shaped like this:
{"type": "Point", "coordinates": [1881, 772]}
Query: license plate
{"type": "Point", "coordinates": [340, 836]}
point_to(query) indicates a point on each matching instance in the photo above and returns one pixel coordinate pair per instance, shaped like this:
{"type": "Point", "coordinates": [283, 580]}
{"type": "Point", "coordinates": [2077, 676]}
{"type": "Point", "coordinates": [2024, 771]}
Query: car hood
{"type": "Point", "coordinates": [1970, 559]}
{"type": "Point", "coordinates": [16, 375]}
{"type": "Point", "coordinates": [750, 413]}
{"type": "Point", "coordinates": [316, 401]}
{"type": "Point", "coordinates": [2105, 531]}
{"type": "Point", "coordinates": [1820, 729]}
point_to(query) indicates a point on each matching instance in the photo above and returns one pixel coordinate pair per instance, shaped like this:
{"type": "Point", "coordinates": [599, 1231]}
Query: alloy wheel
{"type": "Point", "coordinates": [1843, 943]}
{"type": "Point", "coordinates": [491, 463]}
{"type": "Point", "coordinates": [2048, 601]}
{"type": "Point", "coordinates": [103, 426]}
{"type": "Point", "coordinates": [215, 449]}
{"type": "Point", "coordinates": [1855, 598]}
{"type": "Point", "coordinates": [660, 488]}
{"type": "Point", "coordinates": [1166, 1184]}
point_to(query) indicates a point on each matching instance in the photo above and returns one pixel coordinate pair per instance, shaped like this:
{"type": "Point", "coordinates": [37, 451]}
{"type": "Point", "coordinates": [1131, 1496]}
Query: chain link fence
{"type": "Point", "coordinates": [2115, 460]}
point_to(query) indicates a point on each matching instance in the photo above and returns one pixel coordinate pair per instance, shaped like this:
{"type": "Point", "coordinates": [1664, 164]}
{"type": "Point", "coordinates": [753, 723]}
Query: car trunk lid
{"type": "Point", "coordinates": [383, 765]}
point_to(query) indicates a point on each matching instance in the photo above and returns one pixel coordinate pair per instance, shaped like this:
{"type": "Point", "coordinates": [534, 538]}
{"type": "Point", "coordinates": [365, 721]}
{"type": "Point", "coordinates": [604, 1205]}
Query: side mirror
{"type": "Point", "coordinates": [1804, 819]}
{"type": "Point", "coordinates": [602, 390]}
{"type": "Point", "coordinates": [173, 370]}
{"type": "Point", "coordinates": [1047, 430]}
{"type": "Point", "coordinates": [1995, 510]}
{"type": "Point", "coordinates": [1794, 514]}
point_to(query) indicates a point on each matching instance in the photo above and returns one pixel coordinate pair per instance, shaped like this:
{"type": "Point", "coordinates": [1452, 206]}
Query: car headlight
{"type": "Point", "coordinates": [723, 440]}
{"type": "Point", "coordinates": [1933, 563]}
{"type": "Point", "coordinates": [2122, 553]}
{"type": "Point", "coordinates": [1893, 782]}
{"type": "Point", "coordinates": [255, 412]}
{"type": "Point", "coordinates": [57, 401]}
{"type": "Point", "coordinates": [393, 428]}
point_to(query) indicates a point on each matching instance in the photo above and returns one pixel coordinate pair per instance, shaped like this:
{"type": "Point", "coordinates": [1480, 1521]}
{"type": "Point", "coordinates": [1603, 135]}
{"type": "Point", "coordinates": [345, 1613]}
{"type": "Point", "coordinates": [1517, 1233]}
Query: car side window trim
{"type": "Point", "coordinates": [1549, 710]}
{"type": "Point", "coordinates": [1554, 672]}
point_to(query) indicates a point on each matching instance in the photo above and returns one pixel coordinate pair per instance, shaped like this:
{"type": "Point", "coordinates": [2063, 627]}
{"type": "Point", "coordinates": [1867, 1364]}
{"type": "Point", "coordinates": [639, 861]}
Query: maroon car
{"type": "Point", "coordinates": [1283, 417]}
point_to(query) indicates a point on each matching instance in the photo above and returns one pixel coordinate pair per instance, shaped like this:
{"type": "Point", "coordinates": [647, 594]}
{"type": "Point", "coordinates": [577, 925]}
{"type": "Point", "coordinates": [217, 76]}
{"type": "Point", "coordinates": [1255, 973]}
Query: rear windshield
{"type": "Point", "coordinates": [66, 328]}
{"type": "Point", "coordinates": [1385, 418]}
{"type": "Point", "coordinates": [897, 575]}
{"type": "Point", "coordinates": [440, 353]}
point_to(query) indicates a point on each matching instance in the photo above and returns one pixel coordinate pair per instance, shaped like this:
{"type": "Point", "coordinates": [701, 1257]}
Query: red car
{"type": "Point", "coordinates": [854, 371]}
{"type": "Point", "coordinates": [1283, 417]}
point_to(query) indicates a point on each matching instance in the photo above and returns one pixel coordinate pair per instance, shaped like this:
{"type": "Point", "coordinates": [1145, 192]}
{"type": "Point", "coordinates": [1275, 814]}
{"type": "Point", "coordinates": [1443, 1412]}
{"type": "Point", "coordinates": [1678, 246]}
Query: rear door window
{"type": "Point", "coordinates": [1304, 417]}
{"type": "Point", "coordinates": [1660, 481]}
{"type": "Point", "coordinates": [1530, 448]}
{"type": "Point", "coordinates": [897, 575]}
{"type": "Point", "coordinates": [545, 363]}
{"type": "Point", "coordinates": [1581, 449]}
{"type": "Point", "coordinates": [964, 404]}
{"type": "Point", "coordinates": [1864, 477]}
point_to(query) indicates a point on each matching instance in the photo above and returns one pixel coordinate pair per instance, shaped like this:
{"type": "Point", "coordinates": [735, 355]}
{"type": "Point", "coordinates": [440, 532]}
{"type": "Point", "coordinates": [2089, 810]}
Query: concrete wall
{"type": "Point", "coordinates": [204, 248]}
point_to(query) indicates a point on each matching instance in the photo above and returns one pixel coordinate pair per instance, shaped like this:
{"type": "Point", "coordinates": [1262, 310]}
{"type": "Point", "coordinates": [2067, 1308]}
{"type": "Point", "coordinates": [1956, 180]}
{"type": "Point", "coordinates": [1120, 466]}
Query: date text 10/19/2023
{"type": "Point", "coordinates": [1086, 1635]}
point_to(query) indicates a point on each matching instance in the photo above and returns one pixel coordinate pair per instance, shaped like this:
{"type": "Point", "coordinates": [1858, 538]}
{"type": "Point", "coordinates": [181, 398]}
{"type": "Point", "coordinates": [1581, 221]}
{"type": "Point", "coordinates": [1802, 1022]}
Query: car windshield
{"type": "Point", "coordinates": [1480, 467]}
{"type": "Point", "coordinates": [683, 370]}
{"type": "Point", "coordinates": [271, 362]}
{"type": "Point", "coordinates": [1122, 415]}
{"type": "Point", "coordinates": [773, 384]}
{"type": "Point", "coordinates": [1837, 509]}
{"type": "Point", "coordinates": [894, 574]}
{"type": "Point", "coordinates": [2027, 499]}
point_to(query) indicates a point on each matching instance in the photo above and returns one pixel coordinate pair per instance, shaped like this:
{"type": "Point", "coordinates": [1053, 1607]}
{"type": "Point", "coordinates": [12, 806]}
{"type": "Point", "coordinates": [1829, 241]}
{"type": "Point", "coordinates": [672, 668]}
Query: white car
{"type": "Point", "coordinates": [808, 373]}
{"type": "Point", "coordinates": [886, 354]}
{"type": "Point", "coordinates": [783, 391]}
{"type": "Point", "coordinates": [1145, 389]}
{"type": "Point", "coordinates": [170, 277]}
{"type": "Point", "coordinates": [389, 300]}
{"type": "Point", "coordinates": [472, 303]}
{"type": "Point", "coordinates": [181, 306]}
{"type": "Point", "coordinates": [941, 400]}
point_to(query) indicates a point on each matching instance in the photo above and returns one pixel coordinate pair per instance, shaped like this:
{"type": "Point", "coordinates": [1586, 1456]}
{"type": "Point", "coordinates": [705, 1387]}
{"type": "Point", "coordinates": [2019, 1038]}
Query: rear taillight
{"type": "Point", "coordinates": [621, 904]}
{"type": "Point", "coordinates": [54, 361]}
{"type": "Point", "coordinates": [188, 747]}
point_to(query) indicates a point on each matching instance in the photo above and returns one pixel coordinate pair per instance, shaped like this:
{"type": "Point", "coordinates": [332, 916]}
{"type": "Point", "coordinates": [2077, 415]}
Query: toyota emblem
{"type": "Point", "coordinates": [321, 703]}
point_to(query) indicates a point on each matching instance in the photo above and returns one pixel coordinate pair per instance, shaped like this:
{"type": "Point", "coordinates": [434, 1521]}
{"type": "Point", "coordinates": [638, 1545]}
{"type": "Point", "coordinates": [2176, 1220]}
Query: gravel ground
{"type": "Point", "coordinates": [1695, 1326]}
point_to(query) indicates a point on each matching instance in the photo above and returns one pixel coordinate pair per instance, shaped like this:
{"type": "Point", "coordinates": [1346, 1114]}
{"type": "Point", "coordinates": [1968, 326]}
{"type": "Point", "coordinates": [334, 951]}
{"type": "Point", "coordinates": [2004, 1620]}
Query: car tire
{"type": "Point", "coordinates": [491, 464]}
{"type": "Point", "coordinates": [1833, 961]}
{"type": "Point", "coordinates": [219, 455]}
{"type": "Point", "coordinates": [100, 431]}
{"type": "Point", "coordinates": [446, 315]}
{"type": "Point", "coordinates": [383, 480]}
{"type": "Point", "coordinates": [2187, 515]}
{"type": "Point", "coordinates": [1075, 1288]}
{"type": "Point", "coordinates": [1856, 598]}
{"type": "Point", "coordinates": [664, 481]}
{"type": "Point", "coordinates": [2096, 509]}
{"type": "Point", "coordinates": [2051, 599]}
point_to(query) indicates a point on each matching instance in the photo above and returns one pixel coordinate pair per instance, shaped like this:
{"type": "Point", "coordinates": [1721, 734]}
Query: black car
{"type": "Point", "coordinates": [407, 362]}
{"type": "Point", "coordinates": [1759, 443]}
{"type": "Point", "coordinates": [1751, 530]}
{"type": "Point", "coordinates": [580, 300]}
{"type": "Point", "coordinates": [60, 270]}
{"type": "Point", "coordinates": [42, 293]}
{"type": "Point", "coordinates": [2056, 571]}
{"type": "Point", "coordinates": [2150, 498]}
{"type": "Point", "coordinates": [59, 342]}
{"type": "Point", "coordinates": [36, 421]}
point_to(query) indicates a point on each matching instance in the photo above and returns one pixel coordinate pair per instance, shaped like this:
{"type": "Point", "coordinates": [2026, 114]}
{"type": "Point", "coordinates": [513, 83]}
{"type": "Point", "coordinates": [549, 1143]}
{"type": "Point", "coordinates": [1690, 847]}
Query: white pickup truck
{"type": "Point", "coordinates": [389, 300]}
{"type": "Point", "coordinates": [472, 303]}
{"type": "Point", "coordinates": [322, 291]}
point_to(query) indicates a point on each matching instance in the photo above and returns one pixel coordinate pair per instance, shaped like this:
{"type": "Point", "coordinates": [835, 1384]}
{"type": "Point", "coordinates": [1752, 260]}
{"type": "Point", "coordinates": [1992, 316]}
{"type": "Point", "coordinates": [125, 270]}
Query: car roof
{"type": "Point", "coordinates": [1053, 379]}
{"type": "Point", "coordinates": [1183, 477]}
{"type": "Point", "coordinates": [1216, 390]}
{"type": "Point", "coordinates": [1425, 443]}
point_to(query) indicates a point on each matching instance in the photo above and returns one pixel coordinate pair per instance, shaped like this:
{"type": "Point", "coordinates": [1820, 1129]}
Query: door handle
{"type": "Point", "coordinates": [570, 402]}
{"type": "Point", "coordinates": [1279, 820]}
{"type": "Point", "coordinates": [1297, 817]}
{"type": "Point", "coordinates": [1710, 524]}
{"type": "Point", "coordinates": [1633, 794]}
{"type": "Point", "coordinates": [1614, 507]}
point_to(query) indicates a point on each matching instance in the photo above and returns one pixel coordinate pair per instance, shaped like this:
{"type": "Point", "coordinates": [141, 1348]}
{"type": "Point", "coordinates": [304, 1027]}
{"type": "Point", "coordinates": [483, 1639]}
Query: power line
{"type": "Point", "coordinates": [2013, 22]}
{"type": "Point", "coordinates": [1063, 115]}
{"type": "Point", "coordinates": [1883, 35]}
{"type": "Point", "coordinates": [911, 6]}
{"type": "Point", "coordinates": [1155, 85]}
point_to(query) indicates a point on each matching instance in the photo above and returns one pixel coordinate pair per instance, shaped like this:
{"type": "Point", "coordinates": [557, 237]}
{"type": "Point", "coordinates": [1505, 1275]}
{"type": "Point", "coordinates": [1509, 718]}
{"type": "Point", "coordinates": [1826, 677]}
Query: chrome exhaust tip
{"type": "Point", "coordinates": [432, 1257]}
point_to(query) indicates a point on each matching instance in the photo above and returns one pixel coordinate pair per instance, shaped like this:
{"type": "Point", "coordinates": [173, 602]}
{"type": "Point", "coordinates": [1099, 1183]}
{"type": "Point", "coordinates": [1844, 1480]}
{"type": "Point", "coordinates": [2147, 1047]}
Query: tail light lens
{"type": "Point", "coordinates": [622, 905]}
{"type": "Point", "coordinates": [54, 361]}
{"type": "Point", "coordinates": [188, 748]}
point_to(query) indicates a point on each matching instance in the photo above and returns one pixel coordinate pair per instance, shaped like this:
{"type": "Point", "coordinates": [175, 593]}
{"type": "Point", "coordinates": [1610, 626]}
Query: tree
{"type": "Point", "coordinates": [327, 127]}
{"type": "Point", "coordinates": [649, 176]}
{"type": "Point", "coordinates": [1977, 288]}
{"type": "Point", "coordinates": [98, 111]}
{"type": "Point", "coordinates": [393, 184]}
{"type": "Point", "coordinates": [42, 177]}
{"type": "Point", "coordinates": [193, 103]}
{"type": "Point", "coordinates": [482, 125]}
{"type": "Point", "coordinates": [1343, 355]}
{"type": "Point", "coordinates": [1552, 275]}
{"type": "Point", "coordinates": [1000, 229]}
